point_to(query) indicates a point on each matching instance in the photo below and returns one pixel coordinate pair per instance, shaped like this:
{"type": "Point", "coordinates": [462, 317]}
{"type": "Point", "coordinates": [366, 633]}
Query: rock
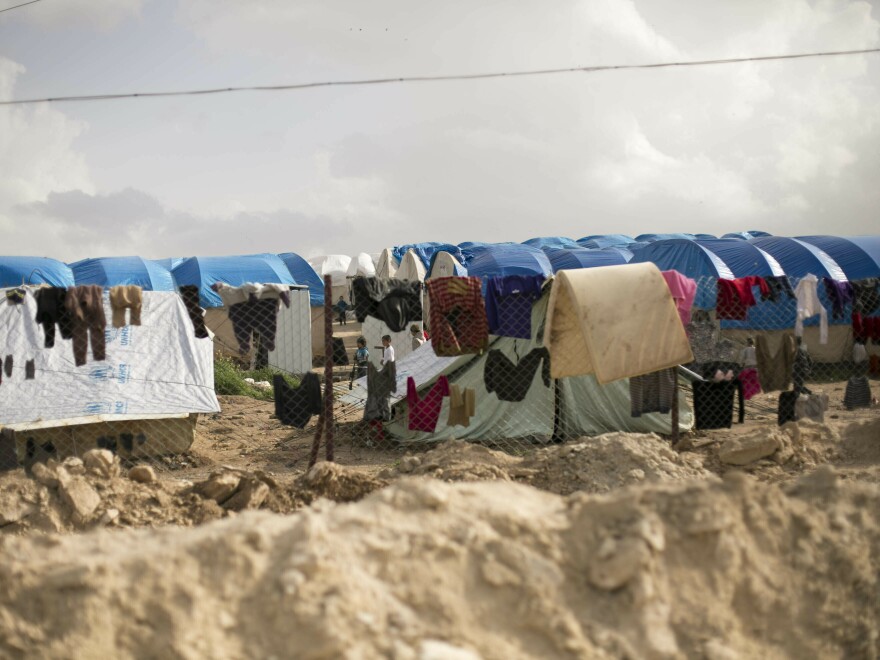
{"type": "Point", "coordinates": [618, 562]}
{"type": "Point", "coordinates": [251, 494]}
{"type": "Point", "coordinates": [110, 516]}
{"type": "Point", "coordinates": [746, 449]}
{"type": "Point", "coordinates": [101, 461]}
{"type": "Point", "coordinates": [435, 649]}
{"type": "Point", "coordinates": [13, 508]}
{"type": "Point", "coordinates": [45, 476]}
{"type": "Point", "coordinates": [74, 465]}
{"type": "Point", "coordinates": [143, 474]}
{"type": "Point", "coordinates": [219, 487]}
{"type": "Point", "coordinates": [76, 492]}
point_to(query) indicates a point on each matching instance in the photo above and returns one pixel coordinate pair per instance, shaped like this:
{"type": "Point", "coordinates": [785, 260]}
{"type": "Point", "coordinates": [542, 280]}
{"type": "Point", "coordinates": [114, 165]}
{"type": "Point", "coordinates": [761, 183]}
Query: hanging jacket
{"type": "Point", "coordinates": [511, 382]}
{"type": "Point", "coordinates": [424, 413]}
{"type": "Point", "coordinates": [189, 293]}
{"type": "Point", "coordinates": [808, 305]}
{"type": "Point", "coordinates": [458, 316]}
{"type": "Point", "coordinates": [394, 302]}
{"type": "Point", "coordinates": [509, 300]}
{"type": "Point", "coordinates": [735, 297]}
{"type": "Point", "coordinates": [295, 405]}
{"type": "Point", "coordinates": [51, 310]}
{"type": "Point", "coordinates": [779, 286]}
{"type": "Point", "coordinates": [774, 368]}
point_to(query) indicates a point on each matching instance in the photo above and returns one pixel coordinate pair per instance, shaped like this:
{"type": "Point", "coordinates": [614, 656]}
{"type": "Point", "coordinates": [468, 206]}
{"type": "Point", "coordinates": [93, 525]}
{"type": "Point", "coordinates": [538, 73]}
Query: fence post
{"type": "Point", "coordinates": [675, 406]}
{"type": "Point", "coordinates": [325, 420]}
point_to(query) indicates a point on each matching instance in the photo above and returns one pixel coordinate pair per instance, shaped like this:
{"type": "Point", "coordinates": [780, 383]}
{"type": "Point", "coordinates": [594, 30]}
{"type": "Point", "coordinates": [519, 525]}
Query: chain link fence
{"type": "Point", "coordinates": [469, 363]}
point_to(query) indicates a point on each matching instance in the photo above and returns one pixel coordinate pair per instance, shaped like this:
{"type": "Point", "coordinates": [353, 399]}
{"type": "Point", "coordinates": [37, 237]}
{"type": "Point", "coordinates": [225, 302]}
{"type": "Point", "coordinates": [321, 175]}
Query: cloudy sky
{"type": "Point", "coordinates": [790, 147]}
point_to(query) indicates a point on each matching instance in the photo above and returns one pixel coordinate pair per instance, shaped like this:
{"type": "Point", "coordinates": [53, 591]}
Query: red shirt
{"type": "Point", "coordinates": [735, 297]}
{"type": "Point", "coordinates": [423, 413]}
{"type": "Point", "coordinates": [458, 316]}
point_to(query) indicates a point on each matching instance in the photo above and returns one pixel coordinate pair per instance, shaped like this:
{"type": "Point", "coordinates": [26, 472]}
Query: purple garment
{"type": "Point", "coordinates": [509, 301]}
{"type": "Point", "coordinates": [840, 294]}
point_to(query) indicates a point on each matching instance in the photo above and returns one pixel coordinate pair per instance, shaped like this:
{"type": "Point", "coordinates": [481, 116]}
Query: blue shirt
{"type": "Point", "coordinates": [509, 301]}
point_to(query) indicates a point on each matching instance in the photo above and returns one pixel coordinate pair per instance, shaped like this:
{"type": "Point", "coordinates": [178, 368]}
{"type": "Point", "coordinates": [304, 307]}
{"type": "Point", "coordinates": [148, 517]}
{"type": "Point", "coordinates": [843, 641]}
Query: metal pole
{"type": "Point", "coordinates": [675, 406]}
{"type": "Point", "coordinates": [328, 367]}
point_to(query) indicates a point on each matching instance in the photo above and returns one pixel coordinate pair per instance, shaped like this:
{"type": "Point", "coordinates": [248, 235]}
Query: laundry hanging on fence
{"type": "Point", "coordinates": [394, 302]}
{"type": "Point", "coordinates": [251, 292]}
{"type": "Point", "coordinates": [779, 286]}
{"type": "Point", "coordinates": [381, 384]}
{"type": "Point", "coordinates": [866, 327]}
{"type": "Point", "coordinates": [122, 298]}
{"type": "Point", "coordinates": [735, 297]}
{"type": "Point", "coordinates": [509, 300]}
{"type": "Point", "coordinates": [85, 304]}
{"type": "Point", "coordinates": [774, 367]}
{"type": "Point", "coordinates": [52, 311]}
{"type": "Point", "coordinates": [683, 290]}
{"type": "Point", "coordinates": [840, 294]}
{"type": "Point", "coordinates": [260, 316]}
{"type": "Point", "coordinates": [458, 316]}
{"type": "Point", "coordinates": [808, 306]}
{"type": "Point", "coordinates": [462, 405]}
{"type": "Point", "coordinates": [652, 392]}
{"type": "Point", "coordinates": [614, 321]}
{"type": "Point", "coordinates": [511, 382]}
{"type": "Point", "coordinates": [713, 403]}
{"type": "Point", "coordinates": [294, 406]}
{"type": "Point", "coordinates": [423, 413]}
{"type": "Point", "coordinates": [866, 295]}
{"type": "Point", "coordinates": [750, 381]}
{"type": "Point", "coordinates": [189, 293]}
{"type": "Point", "coordinates": [785, 410]}
{"type": "Point", "coordinates": [858, 393]}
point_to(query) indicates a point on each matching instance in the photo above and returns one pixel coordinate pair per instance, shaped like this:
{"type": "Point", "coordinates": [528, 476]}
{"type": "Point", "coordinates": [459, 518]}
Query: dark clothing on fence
{"type": "Point", "coordinates": [394, 302]}
{"type": "Point", "coordinates": [340, 356]}
{"type": "Point", "coordinates": [511, 382]}
{"type": "Point", "coordinates": [7, 366]}
{"type": "Point", "coordinates": [51, 311]}
{"type": "Point", "coordinates": [713, 403]}
{"type": "Point", "coordinates": [30, 370]}
{"type": "Point", "coordinates": [295, 405]}
{"type": "Point", "coordinates": [803, 366]}
{"type": "Point", "coordinates": [190, 295]}
{"type": "Point", "coordinates": [866, 295]}
{"type": "Point", "coordinates": [380, 386]}
{"type": "Point", "coordinates": [840, 294]}
{"type": "Point", "coordinates": [254, 315]}
{"type": "Point", "coordinates": [786, 410]}
{"type": "Point", "coordinates": [458, 316]}
{"type": "Point", "coordinates": [509, 300]}
{"type": "Point", "coordinates": [652, 392]}
{"type": "Point", "coordinates": [779, 285]}
{"type": "Point", "coordinates": [85, 304]}
{"type": "Point", "coordinates": [774, 369]}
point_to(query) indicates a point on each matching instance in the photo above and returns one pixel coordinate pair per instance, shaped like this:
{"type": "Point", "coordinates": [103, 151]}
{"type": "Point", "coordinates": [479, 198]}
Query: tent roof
{"type": "Point", "coordinates": [691, 259]}
{"type": "Point", "coordinates": [444, 264]}
{"type": "Point", "coordinates": [509, 259]}
{"type": "Point", "coordinates": [742, 257]}
{"type": "Point", "coordinates": [334, 265]}
{"type": "Point", "coordinates": [119, 271]}
{"type": "Point", "coordinates": [857, 262]}
{"type": "Point", "coordinates": [387, 264]}
{"type": "Point", "coordinates": [552, 242]}
{"type": "Point", "coordinates": [425, 251]}
{"type": "Point", "coordinates": [650, 238]}
{"type": "Point", "coordinates": [363, 265]}
{"type": "Point", "coordinates": [169, 262]}
{"type": "Point", "coordinates": [605, 240]}
{"type": "Point", "coordinates": [798, 258]}
{"type": "Point", "coordinates": [303, 273]}
{"type": "Point", "coordinates": [233, 270]}
{"type": "Point", "coordinates": [582, 258]}
{"type": "Point", "coordinates": [411, 268]}
{"type": "Point", "coordinates": [15, 271]}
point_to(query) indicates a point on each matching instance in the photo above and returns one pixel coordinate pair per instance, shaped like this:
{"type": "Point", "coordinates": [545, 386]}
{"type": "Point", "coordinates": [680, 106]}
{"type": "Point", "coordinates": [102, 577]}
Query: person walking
{"type": "Point", "coordinates": [361, 359]}
{"type": "Point", "coordinates": [341, 306]}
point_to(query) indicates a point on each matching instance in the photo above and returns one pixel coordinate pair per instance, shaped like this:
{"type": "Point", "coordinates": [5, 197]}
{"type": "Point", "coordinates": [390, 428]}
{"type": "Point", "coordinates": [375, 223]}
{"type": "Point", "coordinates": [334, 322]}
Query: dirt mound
{"type": "Point", "coordinates": [455, 460]}
{"type": "Point", "coordinates": [424, 569]}
{"type": "Point", "coordinates": [335, 482]}
{"type": "Point", "coordinates": [861, 441]}
{"type": "Point", "coordinates": [606, 462]}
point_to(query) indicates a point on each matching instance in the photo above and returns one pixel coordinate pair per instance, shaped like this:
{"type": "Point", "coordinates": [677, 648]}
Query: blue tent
{"type": "Point", "coordinates": [15, 271]}
{"type": "Point", "coordinates": [855, 261]}
{"type": "Point", "coordinates": [303, 273]}
{"type": "Point", "coordinates": [689, 258]}
{"type": "Point", "coordinates": [798, 258]}
{"type": "Point", "coordinates": [469, 249]}
{"type": "Point", "coordinates": [170, 263]}
{"type": "Point", "coordinates": [117, 271]}
{"type": "Point", "coordinates": [599, 241]}
{"type": "Point", "coordinates": [235, 271]}
{"type": "Point", "coordinates": [551, 242]}
{"type": "Point", "coordinates": [424, 251]}
{"type": "Point", "coordinates": [651, 238]}
{"type": "Point", "coordinates": [509, 259]}
{"type": "Point", "coordinates": [562, 259]}
{"type": "Point", "coordinates": [746, 235]}
{"type": "Point", "coordinates": [742, 257]}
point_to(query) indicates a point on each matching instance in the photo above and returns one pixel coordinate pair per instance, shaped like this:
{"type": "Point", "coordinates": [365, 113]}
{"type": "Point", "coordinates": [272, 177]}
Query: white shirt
{"type": "Point", "coordinates": [748, 357]}
{"type": "Point", "coordinates": [860, 354]}
{"type": "Point", "coordinates": [387, 354]}
{"type": "Point", "coordinates": [808, 305]}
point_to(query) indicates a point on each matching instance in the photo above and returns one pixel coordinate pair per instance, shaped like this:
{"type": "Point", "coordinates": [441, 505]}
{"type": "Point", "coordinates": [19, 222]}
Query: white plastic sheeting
{"type": "Point", "coordinates": [386, 266]}
{"type": "Point", "coordinates": [158, 367]}
{"type": "Point", "coordinates": [293, 335]}
{"type": "Point", "coordinates": [445, 265]}
{"type": "Point", "coordinates": [411, 268]}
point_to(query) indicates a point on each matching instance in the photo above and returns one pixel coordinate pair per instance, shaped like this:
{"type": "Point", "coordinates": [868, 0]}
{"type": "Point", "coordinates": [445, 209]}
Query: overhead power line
{"type": "Point", "coordinates": [23, 4]}
{"type": "Point", "coordinates": [439, 78]}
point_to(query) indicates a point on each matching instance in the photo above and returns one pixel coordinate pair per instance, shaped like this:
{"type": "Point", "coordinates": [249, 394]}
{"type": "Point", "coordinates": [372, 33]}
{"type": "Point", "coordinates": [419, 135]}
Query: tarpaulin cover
{"type": "Point", "coordinates": [509, 259]}
{"type": "Point", "coordinates": [855, 261]}
{"type": "Point", "coordinates": [599, 241]}
{"type": "Point", "coordinates": [746, 235]}
{"type": "Point", "coordinates": [544, 242]}
{"type": "Point", "coordinates": [798, 258]}
{"type": "Point", "coordinates": [303, 273]}
{"type": "Point", "coordinates": [743, 258]}
{"type": "Point", "coordinates": [583, 258]}
{"type": "Point", "coordinates": [234, 271]}
{"type": "Point", "coordinates": [169, 262]}
{"type": "Point", "coordinates": [650, 238]}
{"type": "Point", "coordinates": [15, 271]}
{"type": "Point", "coordinates": [585, 406]}
{"type": "Point", "coordinates": [158, 367]}
{"type": "Point", "coordinates": [424, 252]}
{"type": "Point", "coordinates": [119, 271]}
{"type": "Point", "coordinates": [598, 318]}
{"type": "Point", "coordinates": [690, 259]}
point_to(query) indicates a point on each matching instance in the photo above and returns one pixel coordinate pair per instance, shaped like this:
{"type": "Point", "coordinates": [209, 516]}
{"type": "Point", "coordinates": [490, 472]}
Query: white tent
{"type": "Point", "coordinates": [445, 265]}
{"type": "Point", "coordinates": [361, 265]}
{"type": "Point", "coordinates": [386, 266]}
{"type": "Point", "coordinates": [577, 405]}
{"type": "Point", "coordinates": [336, 266]}
{"type": "Point", "coordinates": [411, 268]}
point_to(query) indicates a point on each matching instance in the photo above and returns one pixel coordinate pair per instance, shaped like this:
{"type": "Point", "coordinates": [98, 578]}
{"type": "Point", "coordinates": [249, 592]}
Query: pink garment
{"type": "Point", "coordinates": [683, 290]}
{"type": "Point", "coordinates": [751, 384]}
{"type": "Point", "coordinates": [424, 413]}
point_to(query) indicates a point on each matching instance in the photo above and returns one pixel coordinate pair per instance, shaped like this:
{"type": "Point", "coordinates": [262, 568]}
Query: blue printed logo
{"type": "Point", "coordinates": [101, 373]}
{"type": "Point", "coordinates": [97, 408]}
{"type": "Point", "coordinates": [124, 374]}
